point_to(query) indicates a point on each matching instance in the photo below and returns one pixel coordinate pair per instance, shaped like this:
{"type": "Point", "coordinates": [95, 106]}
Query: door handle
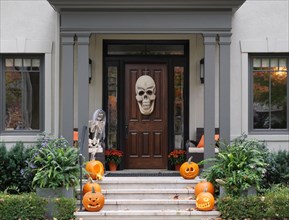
{"type": "Point", "coordinates": [126, 130]}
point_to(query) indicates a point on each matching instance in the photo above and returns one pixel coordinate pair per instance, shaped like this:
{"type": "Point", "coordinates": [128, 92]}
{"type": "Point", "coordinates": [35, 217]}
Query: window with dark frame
{"type": "Point", "coordinates": [269, 93]}
{"type": "Point", "coordinates": [22, 101]}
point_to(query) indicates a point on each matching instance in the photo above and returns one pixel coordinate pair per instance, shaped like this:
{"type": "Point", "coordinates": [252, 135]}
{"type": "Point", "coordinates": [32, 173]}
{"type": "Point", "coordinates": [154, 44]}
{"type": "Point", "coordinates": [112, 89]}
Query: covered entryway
{"type": "Point", "coordinates": [146, 115]}
{"type": "Point", "coordinates": [146, 99]}
{"type": "Point", "coordinates": [211, 19]}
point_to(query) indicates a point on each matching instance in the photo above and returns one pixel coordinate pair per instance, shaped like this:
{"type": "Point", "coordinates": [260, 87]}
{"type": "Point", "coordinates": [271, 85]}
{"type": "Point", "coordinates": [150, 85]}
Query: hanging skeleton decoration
{"type": "Point", "coordinates": [145, 89]}
{"type": "Point", "coordinates": [97, 131]}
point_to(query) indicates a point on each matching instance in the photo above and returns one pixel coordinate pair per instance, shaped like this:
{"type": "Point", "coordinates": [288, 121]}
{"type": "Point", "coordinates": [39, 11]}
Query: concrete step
{"type": "Point", "coordinates": [146, 198]}
{"type": "Point", "coordinates": [149, 215]}
{"type": "Point", "coordinates": [148, 193]}
{"type": "Point", "coordinates": [146, 183]}
{"type": "Point", "coordinates": [148, 204]}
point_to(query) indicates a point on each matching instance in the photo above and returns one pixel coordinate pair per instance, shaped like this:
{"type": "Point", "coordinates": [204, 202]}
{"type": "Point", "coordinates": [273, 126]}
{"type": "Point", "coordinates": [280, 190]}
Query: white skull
{"type": "Point", "coordinates": [145, 89]}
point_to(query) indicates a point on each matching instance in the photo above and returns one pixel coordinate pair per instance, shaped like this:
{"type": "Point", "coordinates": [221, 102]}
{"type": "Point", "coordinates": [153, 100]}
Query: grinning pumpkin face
{"type": "Point", "coordinates": [205, 201]}
{"type": "Point", "coordinates": [93, 201]}
{"type": "Point", "coordinates": [189, 170]}
{"type": "Point", "coordinates": [95, 169]}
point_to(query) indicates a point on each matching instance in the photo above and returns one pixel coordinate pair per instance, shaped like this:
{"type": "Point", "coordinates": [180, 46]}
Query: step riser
{"type": "Point", "coordinates": [106, 186]}
{"type": "Point", "coordinates": [148, 196]}
{"type": "Point", "coordinates": [132, 207]}
{"type": "Point", "coordinates": [149, 217]}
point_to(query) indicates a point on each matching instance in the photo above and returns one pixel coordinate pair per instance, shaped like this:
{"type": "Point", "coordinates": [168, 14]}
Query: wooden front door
{"type": "Point", "coordinates": [146, 134]}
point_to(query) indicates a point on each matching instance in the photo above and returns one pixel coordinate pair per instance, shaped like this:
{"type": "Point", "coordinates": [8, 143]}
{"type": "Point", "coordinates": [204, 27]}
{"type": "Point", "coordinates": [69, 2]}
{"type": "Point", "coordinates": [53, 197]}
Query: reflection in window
{"type": "Point", "coordinates": [270, 87]}
{"type": "Point", "coordinates": [178, 106]}
{"type": "Point", "coordinates": [112, 106]}
{"type": "Point", "coordinates": [22, 94]}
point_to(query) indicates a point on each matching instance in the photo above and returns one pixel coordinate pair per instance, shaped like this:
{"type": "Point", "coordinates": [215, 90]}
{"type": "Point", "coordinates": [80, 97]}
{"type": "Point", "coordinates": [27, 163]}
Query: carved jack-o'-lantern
{"type": "Point", "coordinates": [89, 185]}
{"type": "Point", "coordinates": [93, 201]}
{"type": "Point", "coordinates": [189, 170]}
{"type": "Point", "coordinates": [204, 186]}
{"type": "Point", "coordinates": [145, 90]}
{"type": "Point", "coordinates": [95, 169]}
{"type": "Point", "coordinates": [205, 201]}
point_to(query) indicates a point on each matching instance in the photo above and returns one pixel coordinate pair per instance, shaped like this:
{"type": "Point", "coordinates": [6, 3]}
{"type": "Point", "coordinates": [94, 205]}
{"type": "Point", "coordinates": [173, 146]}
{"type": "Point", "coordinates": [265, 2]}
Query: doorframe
{"type": "Point", "coordinates": [171, 61]}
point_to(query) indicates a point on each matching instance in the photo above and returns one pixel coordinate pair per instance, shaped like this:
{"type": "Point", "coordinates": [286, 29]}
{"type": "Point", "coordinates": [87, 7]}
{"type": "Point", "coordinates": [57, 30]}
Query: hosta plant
{"type": "Point", "coordinates": [55, 164]}
{"type": "Point", "coordinates": [238, 166]}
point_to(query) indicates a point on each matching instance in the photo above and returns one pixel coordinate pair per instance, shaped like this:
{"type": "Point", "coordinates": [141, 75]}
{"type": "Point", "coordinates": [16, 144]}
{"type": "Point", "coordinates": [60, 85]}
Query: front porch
{"type": "Point", "coordinates": [212, 24]}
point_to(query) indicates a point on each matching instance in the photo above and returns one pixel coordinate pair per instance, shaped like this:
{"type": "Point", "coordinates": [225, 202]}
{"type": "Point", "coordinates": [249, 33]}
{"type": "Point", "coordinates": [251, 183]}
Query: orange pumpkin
{"type": "Point", "coordinates": [204, 185]}
{"type": "Point", "coordinates": [93, 201]}
{"type": "Point", "coordinates": [95, 169]}
{"type": "Point", "coordinates": [89, 185]}
{"type": "Point", "coordinates": [189, 170]}
{"type": "Point", "coordinates": [205, 201]}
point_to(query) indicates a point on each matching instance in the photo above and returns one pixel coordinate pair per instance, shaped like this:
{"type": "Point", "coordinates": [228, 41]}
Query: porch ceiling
{"type": "Point", "coordinates": [79, 5]}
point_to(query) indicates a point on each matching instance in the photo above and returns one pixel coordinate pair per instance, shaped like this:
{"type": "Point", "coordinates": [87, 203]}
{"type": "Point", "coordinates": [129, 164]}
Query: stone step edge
{"type": "Point", "coordinates": [146, 180]}
{"type": "Point", "coordinates": [147, 191]}
{"type": "Point", "coordinates": [162, 212]}
{"type": "Point", "coordinates": [149, 201]}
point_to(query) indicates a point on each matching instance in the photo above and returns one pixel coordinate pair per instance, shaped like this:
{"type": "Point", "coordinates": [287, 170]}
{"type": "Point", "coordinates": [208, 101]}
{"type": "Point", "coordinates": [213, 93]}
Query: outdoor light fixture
{"type": "Point", "coordinates": [202, 70]}
{"type": "Point", "coordinates": [89, 71]}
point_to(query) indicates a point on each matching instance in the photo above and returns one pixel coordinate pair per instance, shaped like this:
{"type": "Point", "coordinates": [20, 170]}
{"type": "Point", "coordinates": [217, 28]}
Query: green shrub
{"type": "Point", "coordinates": [12, 167]}
{"type": "Point", "coordinates": [278, 169]}
{"type": "Point", "coordinates": [30, 206]}
{"type": "Point", "coordinates": [274, 204]}
{"type": "Point", "coordinates": [65, 208]}
{"type": "Point", "coordinates": [24, 206]}
{"type": "Point", "coordinates": [3, 167]}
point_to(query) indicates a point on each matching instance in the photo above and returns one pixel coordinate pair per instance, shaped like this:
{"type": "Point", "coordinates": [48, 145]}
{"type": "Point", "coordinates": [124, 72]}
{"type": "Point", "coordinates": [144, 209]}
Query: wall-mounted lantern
{"type": "Point", "coordinates": [202, 70]}
{"type": "Point", "coordinates": [89, 71]}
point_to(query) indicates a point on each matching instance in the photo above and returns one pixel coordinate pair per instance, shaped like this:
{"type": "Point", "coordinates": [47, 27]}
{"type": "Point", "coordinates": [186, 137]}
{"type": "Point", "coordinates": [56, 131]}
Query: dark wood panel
{"type": "Point", "coordinates": [150, 142]}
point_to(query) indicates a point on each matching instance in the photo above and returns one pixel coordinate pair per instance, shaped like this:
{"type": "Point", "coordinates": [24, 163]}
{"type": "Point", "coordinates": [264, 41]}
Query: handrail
{"type": "Point", "coordinates": [84, 128]}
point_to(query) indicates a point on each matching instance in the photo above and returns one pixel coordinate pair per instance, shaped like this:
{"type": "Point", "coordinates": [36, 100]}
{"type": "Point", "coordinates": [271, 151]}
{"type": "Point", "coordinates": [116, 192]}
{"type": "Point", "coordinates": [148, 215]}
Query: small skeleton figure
{"type": "Point", "coordinates": [97, 130]}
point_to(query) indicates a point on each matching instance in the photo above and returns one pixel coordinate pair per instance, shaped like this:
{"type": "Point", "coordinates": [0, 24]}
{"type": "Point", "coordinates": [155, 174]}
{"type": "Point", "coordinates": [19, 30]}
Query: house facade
{"type": "Point", "coordinates": [159, 70]}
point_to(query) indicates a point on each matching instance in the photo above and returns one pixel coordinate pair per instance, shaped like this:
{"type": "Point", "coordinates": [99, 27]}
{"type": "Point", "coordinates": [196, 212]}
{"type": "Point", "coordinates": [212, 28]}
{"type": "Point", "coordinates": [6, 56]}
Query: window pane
{"type": "Point", "coordinates": [261, 100]}
{"type": "Point", "coordinates": [22, 97]}
{"type": "Point", "coordinates": [13, 108]}
{"type": "Point", "coordinates": [265, 63]}
{"type": "Point", "coordinates": [178, 105]}
{"type": "Point", "coordinates": [279, 100]}
{"type": "Point", "coordinates": [270, 93]}
{"type": "Point", "coordinates": [256, 63]}
{"type": "Point", "coordinates": [112, 106]}
{"type": "Point", "coordinates": [282, 64]}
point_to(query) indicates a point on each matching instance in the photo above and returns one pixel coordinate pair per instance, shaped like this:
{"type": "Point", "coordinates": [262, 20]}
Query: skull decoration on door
{"type": "Point", "coordinates": [145, 89]}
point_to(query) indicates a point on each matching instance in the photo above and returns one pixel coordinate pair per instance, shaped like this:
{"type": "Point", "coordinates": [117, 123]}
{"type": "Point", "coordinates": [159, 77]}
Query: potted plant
{"type": "Point", "coordinates": [177, 157]}
{"type": "Point", "coordinates": [113, 158]}
{"type": "Point", "coordinates": [238, 166]}
{"type": "Point", "coordinates": [54, 164]}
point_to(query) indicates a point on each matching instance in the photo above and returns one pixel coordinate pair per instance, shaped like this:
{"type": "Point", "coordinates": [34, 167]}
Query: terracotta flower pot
{"type": "Point", "coordinates": [112, 166]}
{"type": "Point", "coordinates": [177, 166]}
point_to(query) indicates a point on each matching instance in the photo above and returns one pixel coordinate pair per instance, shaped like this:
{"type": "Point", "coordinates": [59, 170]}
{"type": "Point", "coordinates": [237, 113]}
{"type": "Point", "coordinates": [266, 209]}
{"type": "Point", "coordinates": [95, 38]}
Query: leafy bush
{"type": "Point", "coordinates": [12, 167]}
{"type": "Point", "coordinates": [31, 206]}
{"type": "Point", "coordinates": [3, 167]}
{"type": "Point", "coordinates": [65, 208]}
{"type": "Point", "coordinates": [274, 204]}
{"type": "Point", "coordinates": [278, 169]}
{"type": "Point", "coordinates": [238, 166]}
{"type": "Point", "coordinates": [54, 163]}
{"type": "Point", "coordinates": [24, 206]}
